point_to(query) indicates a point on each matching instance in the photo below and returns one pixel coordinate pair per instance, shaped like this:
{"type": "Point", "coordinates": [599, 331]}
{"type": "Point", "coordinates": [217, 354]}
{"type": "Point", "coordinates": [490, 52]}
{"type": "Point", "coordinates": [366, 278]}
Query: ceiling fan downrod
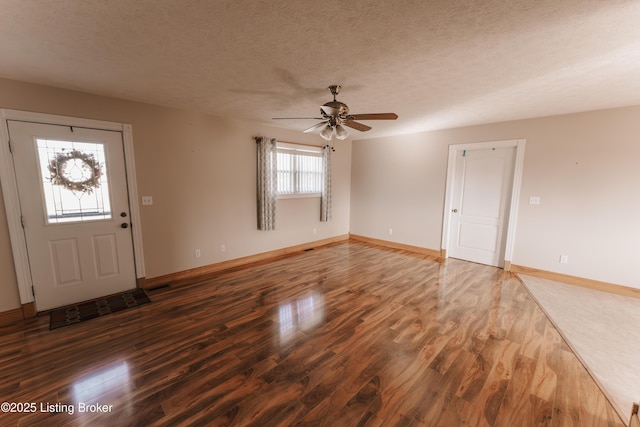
{"type": "Point", "coordinates": [335, 90]}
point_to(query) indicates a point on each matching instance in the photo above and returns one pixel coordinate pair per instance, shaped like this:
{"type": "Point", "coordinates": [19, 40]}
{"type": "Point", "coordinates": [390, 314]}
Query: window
{"type": "Point", "coordinates": [74, 180]}
{"type": "Point", "coordinates": [299, 170]}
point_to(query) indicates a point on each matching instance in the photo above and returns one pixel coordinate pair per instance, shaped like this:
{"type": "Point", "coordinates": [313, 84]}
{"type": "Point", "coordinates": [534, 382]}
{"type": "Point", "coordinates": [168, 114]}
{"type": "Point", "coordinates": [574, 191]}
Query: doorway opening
{"type": "Point", "coordinates": [70, 196]}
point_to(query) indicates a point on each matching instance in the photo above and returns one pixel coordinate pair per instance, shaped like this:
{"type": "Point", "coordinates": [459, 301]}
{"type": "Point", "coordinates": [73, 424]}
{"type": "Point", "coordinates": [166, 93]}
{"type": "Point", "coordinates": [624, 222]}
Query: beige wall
{"type": "Point", "coordinates": [200, 171]}
{"type": "Point", "coordinates": [583, 166]}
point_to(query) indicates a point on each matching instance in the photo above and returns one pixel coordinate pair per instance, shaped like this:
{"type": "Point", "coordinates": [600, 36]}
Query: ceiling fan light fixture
{"type": "Point", "coordinates": [341, 132]}
{"type": "Point", "coordinates": [327, 132]}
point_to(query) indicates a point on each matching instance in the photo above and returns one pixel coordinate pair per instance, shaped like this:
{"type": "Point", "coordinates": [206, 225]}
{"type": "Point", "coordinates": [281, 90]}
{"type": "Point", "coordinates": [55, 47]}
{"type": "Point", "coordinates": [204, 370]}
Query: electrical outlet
{"type": "Point", "coordinates": [198, 253]}
{"type": "Point", "coordinates": [147, 200]}
{"type": "Point", "coordinates": [564, 259]}
{"type": "Point", "coordinates": [315, 231]}
{"type": "Point", "coordinates": [534, 200]}
{"type": "Point", "coordinates": [223, 248]}
{"type": "Point", "coordinates": [390, 230]}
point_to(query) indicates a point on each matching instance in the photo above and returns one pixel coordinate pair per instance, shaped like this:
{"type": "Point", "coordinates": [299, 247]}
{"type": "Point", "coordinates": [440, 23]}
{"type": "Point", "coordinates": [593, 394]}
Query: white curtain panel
{"type": "Point", "coordinates": [325, 202]}
{"type": "Point", "coordinates": [267, 183]}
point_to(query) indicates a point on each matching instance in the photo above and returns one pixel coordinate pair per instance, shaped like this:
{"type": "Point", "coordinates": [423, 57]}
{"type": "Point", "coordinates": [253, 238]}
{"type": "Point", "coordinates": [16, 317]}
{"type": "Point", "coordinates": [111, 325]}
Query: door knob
{"type": "Point", "coordinates": [124, 225]}
{"type": "Point", "coordinates": [454, 210]}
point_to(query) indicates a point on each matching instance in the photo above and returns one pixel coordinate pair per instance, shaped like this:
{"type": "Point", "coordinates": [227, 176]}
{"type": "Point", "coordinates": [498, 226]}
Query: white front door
{"type": "Point", "coordinates": [482, 188]}
{"type": "Point", "coordinates": [73, 197]}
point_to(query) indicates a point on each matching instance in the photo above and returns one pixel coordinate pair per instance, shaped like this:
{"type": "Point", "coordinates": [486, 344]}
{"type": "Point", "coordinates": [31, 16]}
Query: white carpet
{"type": "Point", "coordinates": [603, 330]}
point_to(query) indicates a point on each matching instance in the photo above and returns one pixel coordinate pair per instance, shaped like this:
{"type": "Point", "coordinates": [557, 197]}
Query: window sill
{"type": "Point", "coordinates": [298, 195]}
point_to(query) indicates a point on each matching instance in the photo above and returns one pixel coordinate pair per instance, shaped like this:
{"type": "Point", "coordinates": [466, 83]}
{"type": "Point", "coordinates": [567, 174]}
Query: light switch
{"type": "Point", "coordinates": [147, 200]}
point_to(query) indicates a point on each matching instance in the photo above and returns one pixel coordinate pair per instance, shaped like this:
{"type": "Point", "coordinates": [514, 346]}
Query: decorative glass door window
{"type": "Point", "coordinates": [74, 180]}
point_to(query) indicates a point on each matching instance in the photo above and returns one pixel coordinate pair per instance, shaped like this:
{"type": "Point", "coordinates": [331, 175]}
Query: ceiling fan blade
{"type": "Point", "coordinates": [329, 111]}
{"type": "Point", "coordinates": [297, 118]}
{"type": "Point", "coordinates": [374, 116]}
{"type": "Point", "coordinates": [316, 128]}
{"type": "Point", "coordinates": [357, 126]}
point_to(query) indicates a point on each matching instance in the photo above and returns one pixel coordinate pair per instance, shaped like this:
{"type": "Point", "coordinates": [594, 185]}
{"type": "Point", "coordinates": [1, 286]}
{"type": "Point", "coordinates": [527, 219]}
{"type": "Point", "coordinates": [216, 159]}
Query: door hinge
{"type": "Point", "coordinates": [10, 148]}
{"type": "Point", "coordinates": [33, 291]}
{"type": "Point", "coordinates": [22, 221]}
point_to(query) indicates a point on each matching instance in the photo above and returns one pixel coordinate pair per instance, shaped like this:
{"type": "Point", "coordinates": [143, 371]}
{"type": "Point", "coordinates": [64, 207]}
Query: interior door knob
{"type": "Point", "coordinates": [124, 225]}
{"type": "Point", "coordinates": [455, 211]}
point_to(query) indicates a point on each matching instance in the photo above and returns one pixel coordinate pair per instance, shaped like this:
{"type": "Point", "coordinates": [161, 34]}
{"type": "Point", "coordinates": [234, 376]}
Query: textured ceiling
{"type": "Point", "coordinates": [437, 64]}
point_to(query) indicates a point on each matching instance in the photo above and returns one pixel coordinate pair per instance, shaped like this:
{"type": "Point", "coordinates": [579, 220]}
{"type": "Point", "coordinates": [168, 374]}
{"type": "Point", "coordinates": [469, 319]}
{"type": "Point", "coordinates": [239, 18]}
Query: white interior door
{"type": "Point", "coordinates": [482, 187]}
{"type": "Point", "coordinates": [75, 207]}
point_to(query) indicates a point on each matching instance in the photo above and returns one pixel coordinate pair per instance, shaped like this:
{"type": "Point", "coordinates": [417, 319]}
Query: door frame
{"type": "Point", "coordinates": [510, 226]}
{"type": "Point", "coordinates": [12, 203]}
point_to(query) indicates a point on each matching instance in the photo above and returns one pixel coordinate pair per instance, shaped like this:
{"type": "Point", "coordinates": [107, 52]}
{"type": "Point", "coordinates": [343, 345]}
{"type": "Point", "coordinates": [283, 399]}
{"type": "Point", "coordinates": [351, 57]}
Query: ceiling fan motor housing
{"type": "Point", "coordinates": [340, 108]}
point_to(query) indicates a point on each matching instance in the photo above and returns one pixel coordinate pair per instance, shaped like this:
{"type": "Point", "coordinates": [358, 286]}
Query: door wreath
{"type": "Point", "coordinates": [88, 178]}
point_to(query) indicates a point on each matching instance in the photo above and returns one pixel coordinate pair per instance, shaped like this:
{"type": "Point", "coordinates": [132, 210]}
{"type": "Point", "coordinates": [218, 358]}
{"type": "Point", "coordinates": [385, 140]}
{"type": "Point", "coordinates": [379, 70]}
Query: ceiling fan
{"type": "Point", "coordinates": [334, 115]}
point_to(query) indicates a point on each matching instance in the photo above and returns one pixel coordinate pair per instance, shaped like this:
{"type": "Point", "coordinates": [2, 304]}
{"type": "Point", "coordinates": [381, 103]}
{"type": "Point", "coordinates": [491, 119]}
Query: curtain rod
{"type": "Point", "coordinates": [258, 138]}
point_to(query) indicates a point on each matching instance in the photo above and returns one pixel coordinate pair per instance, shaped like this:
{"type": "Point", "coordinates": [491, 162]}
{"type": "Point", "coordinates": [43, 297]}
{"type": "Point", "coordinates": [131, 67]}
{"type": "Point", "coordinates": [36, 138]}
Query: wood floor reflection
{"type": "Point", "coordinates": [345, 335]}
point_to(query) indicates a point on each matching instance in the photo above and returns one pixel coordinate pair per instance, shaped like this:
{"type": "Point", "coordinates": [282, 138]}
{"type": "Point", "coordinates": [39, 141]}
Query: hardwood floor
{"type": "Point", "coordinates": [344, 335]}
